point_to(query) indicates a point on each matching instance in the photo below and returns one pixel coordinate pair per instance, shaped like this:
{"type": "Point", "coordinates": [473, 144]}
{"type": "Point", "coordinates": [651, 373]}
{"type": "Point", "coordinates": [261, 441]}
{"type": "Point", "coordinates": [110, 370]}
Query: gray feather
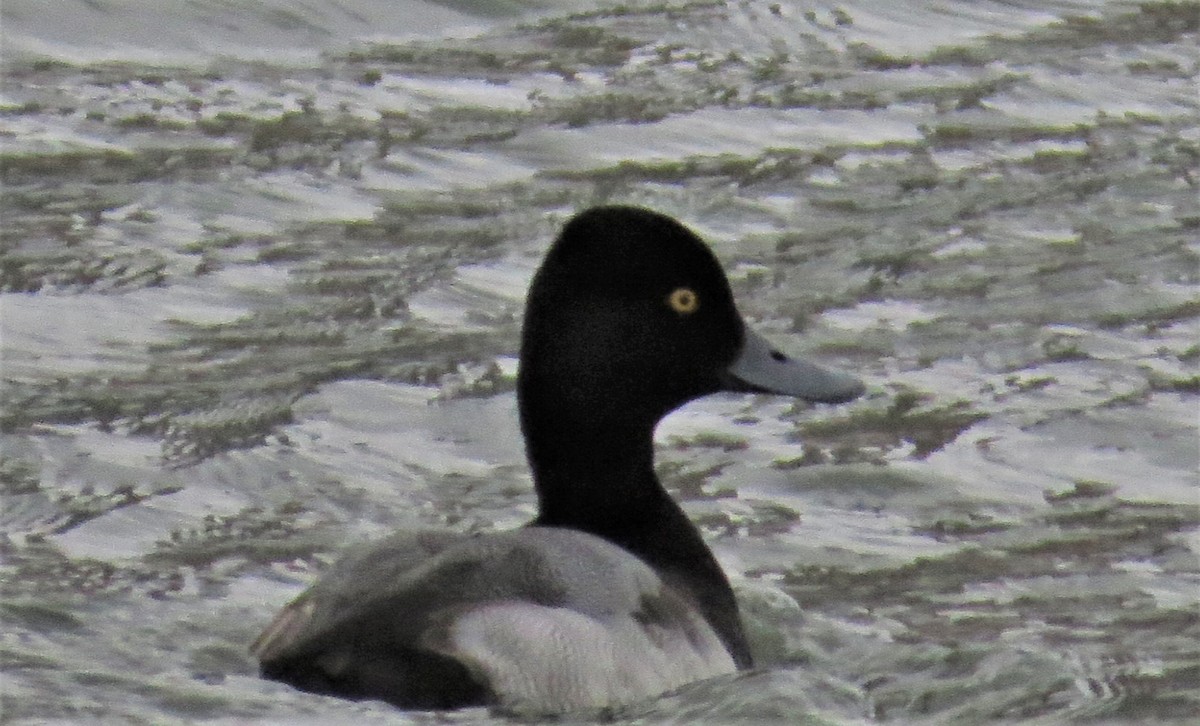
{"type": "Point", "coordinates": [546, 619]}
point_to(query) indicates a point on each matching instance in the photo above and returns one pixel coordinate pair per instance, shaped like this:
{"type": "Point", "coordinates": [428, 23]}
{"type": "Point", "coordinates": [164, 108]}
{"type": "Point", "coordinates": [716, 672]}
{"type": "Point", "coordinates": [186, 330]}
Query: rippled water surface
{"type": "Point", "coordinates": [263, 269]}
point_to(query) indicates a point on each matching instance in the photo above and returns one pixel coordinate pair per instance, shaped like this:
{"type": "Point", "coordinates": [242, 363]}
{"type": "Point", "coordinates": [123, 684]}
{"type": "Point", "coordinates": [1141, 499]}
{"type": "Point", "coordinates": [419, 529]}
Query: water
{"type": "Point", "coordinates": [262, 290]}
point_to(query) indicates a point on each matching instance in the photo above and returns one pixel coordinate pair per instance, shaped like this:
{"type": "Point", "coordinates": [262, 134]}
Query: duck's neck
{"type": "Point", "coordinates": [599, 478]}
{"type": "Point", "coordinates": [596, 478]}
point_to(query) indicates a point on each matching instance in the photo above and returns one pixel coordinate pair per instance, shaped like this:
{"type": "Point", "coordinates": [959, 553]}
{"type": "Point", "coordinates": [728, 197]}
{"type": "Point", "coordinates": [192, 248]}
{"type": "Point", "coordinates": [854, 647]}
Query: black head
{"type": "Point", "coordinates": [630, 316]}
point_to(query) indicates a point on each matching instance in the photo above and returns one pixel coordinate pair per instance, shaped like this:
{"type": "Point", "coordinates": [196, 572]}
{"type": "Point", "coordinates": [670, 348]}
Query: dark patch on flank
{"type": "Point", "coordinates": [663, 614]}
{"type": "Point", "coordinates": [410, 679]}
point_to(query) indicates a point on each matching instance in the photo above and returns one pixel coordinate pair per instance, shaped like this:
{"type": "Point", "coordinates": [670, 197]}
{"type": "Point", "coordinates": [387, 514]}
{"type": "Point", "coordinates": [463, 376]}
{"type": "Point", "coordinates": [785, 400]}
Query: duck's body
{"type": "Point", "coordinates": [545, 616]}
{"type": "Point", "coordinates": [611, 595]}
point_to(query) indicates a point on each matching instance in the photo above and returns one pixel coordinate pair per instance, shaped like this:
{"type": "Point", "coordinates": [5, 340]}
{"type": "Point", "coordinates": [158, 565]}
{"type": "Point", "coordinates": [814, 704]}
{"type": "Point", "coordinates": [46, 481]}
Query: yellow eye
{"type": "Point", "coordinates": [684, 300]}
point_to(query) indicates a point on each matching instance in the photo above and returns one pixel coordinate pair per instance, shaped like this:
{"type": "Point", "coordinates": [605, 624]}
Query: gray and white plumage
{"type": "Point", "coordinates": [610, 595]}
{"type": "Point", "coordinates": [548, 619]}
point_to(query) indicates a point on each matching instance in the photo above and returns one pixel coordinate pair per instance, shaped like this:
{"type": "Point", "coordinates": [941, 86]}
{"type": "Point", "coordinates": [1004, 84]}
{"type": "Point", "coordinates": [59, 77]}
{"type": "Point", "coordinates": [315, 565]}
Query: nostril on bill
{"type": "Point", "coordinates": [779, 357]}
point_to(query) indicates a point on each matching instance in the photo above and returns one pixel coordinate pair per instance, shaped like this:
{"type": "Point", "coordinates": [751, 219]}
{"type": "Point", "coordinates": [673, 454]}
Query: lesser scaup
{"type": "Point", "coordinates": [611, 595]}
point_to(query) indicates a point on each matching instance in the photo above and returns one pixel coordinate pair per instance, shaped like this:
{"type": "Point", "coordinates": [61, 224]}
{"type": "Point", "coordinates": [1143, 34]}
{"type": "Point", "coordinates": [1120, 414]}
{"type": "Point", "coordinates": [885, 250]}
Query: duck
{"type": "Point", "coordinates": [610, 596]}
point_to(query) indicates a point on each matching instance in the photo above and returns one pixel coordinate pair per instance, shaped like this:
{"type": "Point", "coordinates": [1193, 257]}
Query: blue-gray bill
{"type": "Point", "coordinates": [761, 368]}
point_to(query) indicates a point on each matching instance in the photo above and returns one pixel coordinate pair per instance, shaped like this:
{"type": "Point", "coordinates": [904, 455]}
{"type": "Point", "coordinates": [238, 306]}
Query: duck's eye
{"type": "Point", "coordinates": [684, 300]}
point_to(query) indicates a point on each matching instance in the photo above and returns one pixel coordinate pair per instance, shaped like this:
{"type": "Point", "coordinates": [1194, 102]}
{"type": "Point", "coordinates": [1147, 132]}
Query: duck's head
{"type": "Point", "coordinates": [631, 316]}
